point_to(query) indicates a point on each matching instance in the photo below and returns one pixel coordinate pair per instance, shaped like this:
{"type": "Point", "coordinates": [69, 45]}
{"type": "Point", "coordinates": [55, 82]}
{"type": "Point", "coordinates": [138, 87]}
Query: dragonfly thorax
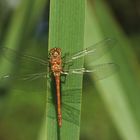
{"type": "Point", "coordinates": [56, 61]}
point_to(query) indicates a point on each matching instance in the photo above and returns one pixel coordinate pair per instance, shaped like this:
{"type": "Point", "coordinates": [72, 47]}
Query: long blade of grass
{"type": "Point", "coordinates": [22, 23]}
{"type": "Point", "coordinates": [114, 93]}
{"type": "Point", "coordinates": [19, 28]}
{"type": "Point", "coordinates": [67, 32]}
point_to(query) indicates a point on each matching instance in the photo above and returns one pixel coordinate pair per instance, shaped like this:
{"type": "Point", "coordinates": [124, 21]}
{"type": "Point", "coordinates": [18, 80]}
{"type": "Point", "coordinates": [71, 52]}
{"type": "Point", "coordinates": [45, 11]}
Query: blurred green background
{"type": "Point", "coordinates": [113, 116]}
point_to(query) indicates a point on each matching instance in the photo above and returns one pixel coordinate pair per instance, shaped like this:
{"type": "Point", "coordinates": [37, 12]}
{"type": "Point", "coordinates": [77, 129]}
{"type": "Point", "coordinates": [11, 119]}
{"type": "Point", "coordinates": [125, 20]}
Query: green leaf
{"type": "Point", "coordinates": [20, 27]}
{"type": "Point", "coordinates": [66, 31]}
{"type": "Point", "coordinates": [119, 91]}
{"type": "Point", "coordinates": [22, 21]}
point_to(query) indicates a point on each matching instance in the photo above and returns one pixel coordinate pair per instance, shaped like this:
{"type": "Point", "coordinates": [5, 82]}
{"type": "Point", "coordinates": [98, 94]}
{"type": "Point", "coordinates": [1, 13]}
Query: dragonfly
{"type": "Point", "coordinates": [57, 68]}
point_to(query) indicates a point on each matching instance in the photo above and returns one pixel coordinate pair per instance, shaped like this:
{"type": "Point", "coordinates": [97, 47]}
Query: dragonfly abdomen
{"type": "Point", "coordinates": [59, 114]}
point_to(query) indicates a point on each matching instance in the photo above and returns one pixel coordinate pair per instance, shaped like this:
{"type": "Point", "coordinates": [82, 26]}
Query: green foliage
{"type": "Point", "coordinates": [120, 91]}
{"type": "Point", "coordinates": [67, 32]}
{"type": "Point", "coordinates": [21, 110]}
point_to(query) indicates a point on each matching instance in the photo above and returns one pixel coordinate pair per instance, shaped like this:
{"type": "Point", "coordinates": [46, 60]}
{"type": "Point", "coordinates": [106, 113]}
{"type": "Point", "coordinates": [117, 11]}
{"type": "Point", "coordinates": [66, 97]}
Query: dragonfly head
{"type": "Point", "coordinates": [55, 52]}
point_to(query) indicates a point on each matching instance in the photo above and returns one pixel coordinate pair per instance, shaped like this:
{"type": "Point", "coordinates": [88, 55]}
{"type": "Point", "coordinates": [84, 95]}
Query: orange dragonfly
{"type": "Point", "coordinates": [57, 68]}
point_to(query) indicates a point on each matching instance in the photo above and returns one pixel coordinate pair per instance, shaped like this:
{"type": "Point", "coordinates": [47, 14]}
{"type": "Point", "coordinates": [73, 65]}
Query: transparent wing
{"type": "Point", "coordinates": [69, 96]}
{"type": "Point", "coordinates": [26, 67]}
{"type": "Point", "coordinates": [24, 57]}
{"type": "Point", "coordinates": [97, 49]}
{"type": "Point", "coordinates": [70, 112]}
{"type": "Point", "coordinates": [27, 77]}
{"type": "Point", "coordinates": [99, 71]}
{"type": "Point", "coordinates": [35, 82]}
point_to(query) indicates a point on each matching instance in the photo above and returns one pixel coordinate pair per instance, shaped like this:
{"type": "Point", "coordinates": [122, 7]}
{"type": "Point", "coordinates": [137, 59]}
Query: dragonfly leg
{"type": "Point", "coordinates": [64, 76]}
{"type": "Point", "coordinates": [64, 73]}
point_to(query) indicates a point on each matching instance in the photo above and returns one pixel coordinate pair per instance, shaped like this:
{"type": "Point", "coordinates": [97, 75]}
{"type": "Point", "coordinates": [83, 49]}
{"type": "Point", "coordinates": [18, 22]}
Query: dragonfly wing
{"type": "Point", "coordinates": [99, 71]}
{"type": "Point", "coordinates": [97, 50]}
{"type": "Point", "coordinates": [69, 113]}
{"type": "Point", "coordinates": [70, 103]}
{"type": "Point", "coordinates": [70, 96]}
{"type": "Point", "coordinates": [9, 53]}
{"type": "Point", "coordinates": [27, 77]}
{"type": "Point", "coordinates": [29, 82]}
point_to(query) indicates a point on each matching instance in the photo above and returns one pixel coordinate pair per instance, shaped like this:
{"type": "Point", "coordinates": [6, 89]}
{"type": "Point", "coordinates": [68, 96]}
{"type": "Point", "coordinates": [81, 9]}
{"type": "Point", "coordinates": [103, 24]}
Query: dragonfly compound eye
{"type": "Point", "coordinates": [55, 52]}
